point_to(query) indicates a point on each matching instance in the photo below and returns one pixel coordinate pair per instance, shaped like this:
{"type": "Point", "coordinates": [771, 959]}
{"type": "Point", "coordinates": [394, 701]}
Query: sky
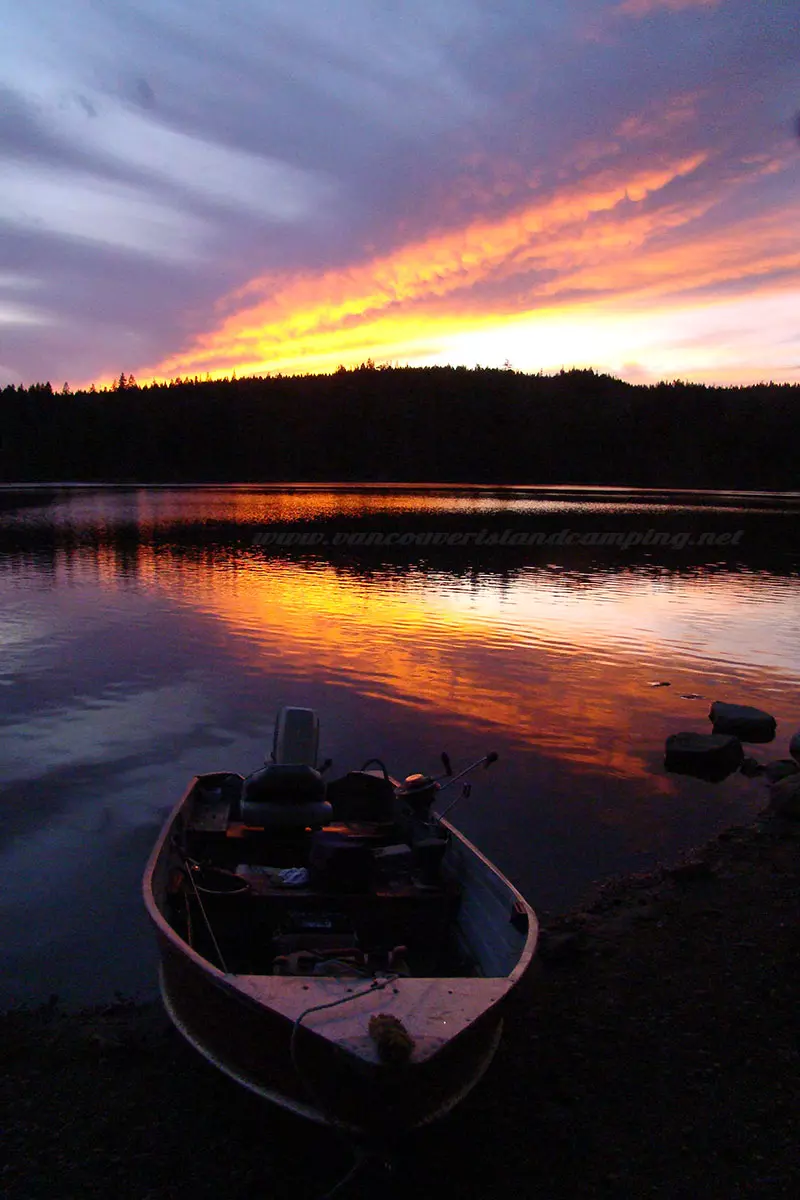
{"type": "Point", "coordinates": [263, 186]}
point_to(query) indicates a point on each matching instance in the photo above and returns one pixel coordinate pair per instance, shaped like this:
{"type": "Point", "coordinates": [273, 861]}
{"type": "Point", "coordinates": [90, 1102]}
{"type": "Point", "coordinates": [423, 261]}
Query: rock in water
{"type": "Point", "coordinates": [710, 756]}
{"type": "Point", "coordinates": [743, 721]}
{"type": "Point", "coordinates": [794, 747]}
{"type": "Point", "coordinates": [780, 769]}
{"type": "Point", "coordinates": [784, 797]}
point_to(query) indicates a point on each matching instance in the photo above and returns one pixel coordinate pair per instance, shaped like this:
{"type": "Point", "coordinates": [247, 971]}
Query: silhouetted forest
{"type": "Point", "coordinates": [389, 424]}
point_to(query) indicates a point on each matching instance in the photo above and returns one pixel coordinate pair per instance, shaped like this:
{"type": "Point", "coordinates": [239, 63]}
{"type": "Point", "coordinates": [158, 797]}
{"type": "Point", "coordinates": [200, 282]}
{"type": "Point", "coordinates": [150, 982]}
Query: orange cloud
{"type": "Point", "coordinates": [313, 316]}
{"type": "Point", "coordinates": [609, 237]}
{"type": "Point", "coordinates": [759, 247]}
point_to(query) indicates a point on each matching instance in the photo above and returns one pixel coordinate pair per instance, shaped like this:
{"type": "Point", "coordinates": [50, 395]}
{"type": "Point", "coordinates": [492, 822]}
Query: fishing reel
{"type": "Point", "coordinates": [419, 791]}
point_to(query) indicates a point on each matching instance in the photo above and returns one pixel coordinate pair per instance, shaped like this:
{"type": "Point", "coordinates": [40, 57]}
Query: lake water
{"type": "Point", "coordinates": [149, 634]}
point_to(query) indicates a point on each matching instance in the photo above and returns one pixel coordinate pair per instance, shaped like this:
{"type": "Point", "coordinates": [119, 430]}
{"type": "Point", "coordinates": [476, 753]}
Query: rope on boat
{"type": "Point", "coordinates": [189, 928]}
{"type": "Point", "coordinates": [362, 1155]}
{"type": "Point", "coordinates": [189, 872]}
{"type": "Point", "coordinates": [361, 1158]}
{"type": "Point", "coordinates": [377, 985]}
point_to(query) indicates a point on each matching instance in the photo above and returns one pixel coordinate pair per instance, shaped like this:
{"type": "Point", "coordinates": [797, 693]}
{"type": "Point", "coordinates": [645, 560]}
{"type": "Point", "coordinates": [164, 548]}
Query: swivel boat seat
{"type": "Point", "coordinates": [289, 792]}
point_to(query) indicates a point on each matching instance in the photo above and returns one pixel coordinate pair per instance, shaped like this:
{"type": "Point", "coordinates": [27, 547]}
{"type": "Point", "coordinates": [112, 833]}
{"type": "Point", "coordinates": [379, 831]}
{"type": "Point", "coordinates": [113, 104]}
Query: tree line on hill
{"type": "Point", "coordinates": [391, 424]}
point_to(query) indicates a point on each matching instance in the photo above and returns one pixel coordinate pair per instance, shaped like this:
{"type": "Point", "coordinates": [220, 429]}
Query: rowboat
{"type": "Point", "coordinates": [337, 947]}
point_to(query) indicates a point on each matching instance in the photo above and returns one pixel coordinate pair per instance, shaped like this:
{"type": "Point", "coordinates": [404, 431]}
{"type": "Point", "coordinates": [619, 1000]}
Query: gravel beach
{"type": "Point", "coordinates": [653, 1051]}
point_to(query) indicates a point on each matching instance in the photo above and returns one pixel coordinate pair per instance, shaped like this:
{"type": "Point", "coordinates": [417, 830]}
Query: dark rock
{"type": "Point", "coordinates": [560, 947]}
{"type": "Point", "coordinates": [751, 767]}
{"type": "Point", "coordinates": [784, 797]}
{"type": "Point", "coordinates": [794, 746]}
{"type": "Point", "coordinates": [708, 756]}
{"type": "Point", "coordinates": [693, 868]}
{"type": "Point", "coordinates": [743, 721]}
{"type": "Point", "coordinates": [781, 769]}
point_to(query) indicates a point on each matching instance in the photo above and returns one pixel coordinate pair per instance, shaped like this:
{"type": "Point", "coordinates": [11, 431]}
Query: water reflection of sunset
{"type": "Point", "coordinates": [148, 637]}
{"type": "Point", "coordinates": [254, 507]}
{"type": "Point", "coordinates": [564, 663]}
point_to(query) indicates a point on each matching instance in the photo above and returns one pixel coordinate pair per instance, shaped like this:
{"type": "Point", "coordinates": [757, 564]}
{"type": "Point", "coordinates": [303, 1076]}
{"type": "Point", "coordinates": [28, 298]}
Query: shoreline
{"type": "Point", "coordinates": [652, 1052]}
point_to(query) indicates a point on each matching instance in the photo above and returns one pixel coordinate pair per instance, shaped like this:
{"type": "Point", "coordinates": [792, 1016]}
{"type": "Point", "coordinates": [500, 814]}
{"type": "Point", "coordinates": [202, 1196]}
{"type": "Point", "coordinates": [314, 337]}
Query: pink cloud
{"type": "Point", "coordinates": [642, 8]}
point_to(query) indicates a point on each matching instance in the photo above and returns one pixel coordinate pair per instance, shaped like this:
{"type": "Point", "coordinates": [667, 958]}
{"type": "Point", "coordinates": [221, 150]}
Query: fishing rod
{"type": "Point", "coordinates": [485, 762]}
{"type": "Point", "coordinates": [419, 790]}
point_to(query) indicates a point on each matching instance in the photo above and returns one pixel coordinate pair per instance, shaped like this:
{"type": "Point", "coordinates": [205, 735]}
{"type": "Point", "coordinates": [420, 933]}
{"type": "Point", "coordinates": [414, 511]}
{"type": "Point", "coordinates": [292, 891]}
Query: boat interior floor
{"type": "Point", "coordinates": [233, 898]}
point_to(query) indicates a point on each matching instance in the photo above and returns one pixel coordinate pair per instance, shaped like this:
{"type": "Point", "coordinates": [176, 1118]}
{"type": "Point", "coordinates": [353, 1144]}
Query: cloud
{"type": "Point", "coordinates": [301, 183]}
{"type": "Point", "coordinates": [79, 205]}
{"type": "Point", "coordinates": [19, 314]}
{"type": "Point", "coordinates": [617, 233]}
{"type": "Point", "coordinates": [208, 171]}
{"type": "Point", "coordinates": [643, 8]}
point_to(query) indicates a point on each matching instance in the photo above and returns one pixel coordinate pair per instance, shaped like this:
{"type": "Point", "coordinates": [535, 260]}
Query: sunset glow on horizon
{"type": "Point", "coordinates": [613, 187]}
{"type": "Point", "coordinates": [419, 305]}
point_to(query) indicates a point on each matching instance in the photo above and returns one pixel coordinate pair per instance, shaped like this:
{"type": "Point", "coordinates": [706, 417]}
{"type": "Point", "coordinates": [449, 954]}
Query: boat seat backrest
{"type": "Point", "coordinates": [287, 817]}
{"type": "Point", "coordinates": [280, 784]}
{"type": "Point", "coordinates": [282, 797]}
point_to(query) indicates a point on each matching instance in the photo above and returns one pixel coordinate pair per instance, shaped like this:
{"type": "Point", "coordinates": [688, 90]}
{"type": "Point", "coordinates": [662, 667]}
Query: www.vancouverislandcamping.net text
{"type": "Point", "coordinates": [623, 539]}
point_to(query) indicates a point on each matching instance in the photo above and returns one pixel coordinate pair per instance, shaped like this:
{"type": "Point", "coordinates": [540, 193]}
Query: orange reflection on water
{"type": "Point", "coordinates": [256, 507]}
{"type": "Point", "coordinates": [259, 505]}
{"type": "Point", "coordinates": [568, 673]}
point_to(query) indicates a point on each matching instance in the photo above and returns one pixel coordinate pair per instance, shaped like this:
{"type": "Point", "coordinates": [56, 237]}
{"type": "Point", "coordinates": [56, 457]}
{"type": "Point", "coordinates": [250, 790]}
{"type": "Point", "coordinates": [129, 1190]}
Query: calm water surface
{"type": "Point", "coordinates": [147, 634]}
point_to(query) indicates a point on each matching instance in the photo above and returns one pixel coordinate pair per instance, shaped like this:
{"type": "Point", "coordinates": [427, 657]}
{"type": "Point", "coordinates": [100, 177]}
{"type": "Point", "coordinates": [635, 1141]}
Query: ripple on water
{"type": "Point", "coordinates": [145, 638]}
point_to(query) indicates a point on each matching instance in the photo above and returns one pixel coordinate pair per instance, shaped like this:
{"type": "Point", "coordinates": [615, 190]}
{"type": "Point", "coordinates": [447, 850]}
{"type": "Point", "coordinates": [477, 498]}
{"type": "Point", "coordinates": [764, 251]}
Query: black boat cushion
{"type": "Point", "coordinates": [312, 815]}
{"type": "Point", "coordinates": [280, 784]}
